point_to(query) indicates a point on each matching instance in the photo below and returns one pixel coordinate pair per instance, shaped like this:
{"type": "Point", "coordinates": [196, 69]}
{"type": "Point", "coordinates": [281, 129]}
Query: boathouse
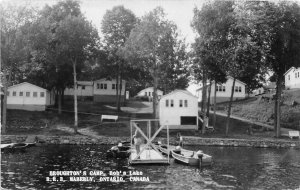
{"type": "Point", "coordinates": [28, 96]}
{"type": "Point", "coordinates": [179, 110]}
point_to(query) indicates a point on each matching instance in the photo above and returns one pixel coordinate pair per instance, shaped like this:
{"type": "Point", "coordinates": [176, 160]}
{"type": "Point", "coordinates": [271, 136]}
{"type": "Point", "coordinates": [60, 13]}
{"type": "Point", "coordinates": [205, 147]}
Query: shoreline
{"type": "Point", "coordinates": [188, 140]}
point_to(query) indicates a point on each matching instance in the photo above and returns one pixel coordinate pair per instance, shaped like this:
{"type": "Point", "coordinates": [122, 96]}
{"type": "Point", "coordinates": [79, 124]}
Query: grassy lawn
{"type": "Point", "coordinates": [51, 123]}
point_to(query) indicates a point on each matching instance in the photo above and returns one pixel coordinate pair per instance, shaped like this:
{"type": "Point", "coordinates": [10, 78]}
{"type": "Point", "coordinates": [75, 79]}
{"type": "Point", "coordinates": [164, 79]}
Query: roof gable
{"type": "Point", "coordinates": [106, 79]}
{"type": "Point", "coordinates": [292, 68]}
{"type": "Point", "coordinates": [179, 91]}
{"type": "Point", "coordinates": [149, 89]}
{"type": "Point", "coordinates": [24, 83]}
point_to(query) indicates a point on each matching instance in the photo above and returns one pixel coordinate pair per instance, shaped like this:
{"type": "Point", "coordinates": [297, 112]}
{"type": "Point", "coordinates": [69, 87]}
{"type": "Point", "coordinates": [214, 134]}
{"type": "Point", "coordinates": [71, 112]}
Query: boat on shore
{"type": "Point", "coordinates": [192, 158]}
{"type": "Point", "coordinates": [11, 147]}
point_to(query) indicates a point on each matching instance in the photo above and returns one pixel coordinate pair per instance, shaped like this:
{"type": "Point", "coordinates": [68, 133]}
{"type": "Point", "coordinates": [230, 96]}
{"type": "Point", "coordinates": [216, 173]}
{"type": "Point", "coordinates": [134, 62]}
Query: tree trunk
{"type": "Point", "coordinates": [59, 100]}
{"type": "Point", "coordinates": [204, 96]}
{"type": "Point", "coordinates": [124, 94]}
{"type": "Point", "coordinates": [120, 94]}
{"type": "Point", "coordinates": [117, 89]}
{"type": "Point", "coordinates": [75, 97]}
{"type": "Point", "coordinates": [229, 108]}
{"type": "Point", "coordinates": [208, 100]}
{"type": "Point", "coordinates": [215, 105]}
{"type": "Point", "coordinates": [62, 96]}
{"type": "Point", "coordinates": [4, 105]}
{"type": "Point", "coordinates": [277, 106]}
{"type": "Point", "coordinates": [203, 83]}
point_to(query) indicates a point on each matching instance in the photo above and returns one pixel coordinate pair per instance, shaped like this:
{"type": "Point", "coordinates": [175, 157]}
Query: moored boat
{"type": "Point", "coordinates": [191, 158]}
{"type": "Point", "coordinates": [122, 150]}
{"type": "Point", "coordinates": [13, 147]}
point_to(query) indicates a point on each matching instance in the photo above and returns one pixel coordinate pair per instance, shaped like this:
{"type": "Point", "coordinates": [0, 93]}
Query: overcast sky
{"type": "Point", "coordinates": [179, 11]}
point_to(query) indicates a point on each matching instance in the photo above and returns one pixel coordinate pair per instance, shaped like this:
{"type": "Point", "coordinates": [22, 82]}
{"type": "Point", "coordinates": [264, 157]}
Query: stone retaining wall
{"type": "Point", "coordinates": [265, 143]}
{"type": "Point", "coordinates": [262, 143]}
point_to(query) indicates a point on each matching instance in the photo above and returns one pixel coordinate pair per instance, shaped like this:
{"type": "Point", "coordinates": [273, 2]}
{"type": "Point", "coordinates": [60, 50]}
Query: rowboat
{"type": "Point", "coordinates": [163, 148]}
{"type": "Point", "coordinates": [191, 157]}
{"type": "Point", "coordinates": [122, 150]}
{"type": "Point", "coordinates": [13, 146]}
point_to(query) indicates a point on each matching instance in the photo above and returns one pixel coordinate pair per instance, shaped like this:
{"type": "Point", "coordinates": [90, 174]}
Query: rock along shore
{"type": "Point", "coordinates": [188, 140]}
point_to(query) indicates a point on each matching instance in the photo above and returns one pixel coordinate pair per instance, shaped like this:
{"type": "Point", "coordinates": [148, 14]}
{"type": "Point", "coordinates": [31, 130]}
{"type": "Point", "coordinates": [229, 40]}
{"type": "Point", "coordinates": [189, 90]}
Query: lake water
{"type": "Point", "coordinates": [233, 168]}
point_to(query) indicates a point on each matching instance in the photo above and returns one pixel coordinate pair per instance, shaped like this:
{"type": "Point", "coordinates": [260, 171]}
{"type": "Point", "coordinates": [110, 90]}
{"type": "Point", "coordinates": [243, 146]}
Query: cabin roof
{"type": "Point", "coordinates": [86, 83]}
{"type": "Point", "coordinates": [292, 68]}
{"type": "Point", "coordinates": [23, 83]}
{"type": "Point", "coordinates": [237, 80]}
{"type": "Point", "coordinates": [106, 79]}
{"type": "Point", "coordinates": [179, 91]}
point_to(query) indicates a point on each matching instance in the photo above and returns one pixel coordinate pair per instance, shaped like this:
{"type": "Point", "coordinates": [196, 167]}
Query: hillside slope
{"type": "Point", "coordinates": [262, 110]}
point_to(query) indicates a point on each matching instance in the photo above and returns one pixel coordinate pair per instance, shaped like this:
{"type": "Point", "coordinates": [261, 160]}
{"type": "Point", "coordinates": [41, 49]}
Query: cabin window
{"type": "Point", "coordinates": [20, 93]}
{"type": "Point", "coordinates": [180, 103]}
{"type": "Point", "coordinates": [223, 88]}
{"type": "Point", "coordinates": [101, 86]}
{"type": "Point", "coordinates": [289, 77]}
{"type": "Point", "coordinates": [185, 103]}
{"type": "Point", "coordinates": [149, 93]}
{"type": "Point", "coordinates": [34, 94]}
{"type": "Point", "coordinates": [298, 74]}
{"type": "Point", "coordinates": [236, 88]}
{"type": "Point", "coordinates": [295, 75]}
{"type": "Point", "coordinates": [105, 86]}
{"type": "Point", "coordinates": [145, 93]}
{"type": "Point", "coordinates": [113, 86]}
{"type": "Point", "coordinates": [98, 86]}
{"type": "Point", "coordinates": [42, 94]}
{"type": "Point", "coordinates": [172, 103]}
{"type": "Point", "coordinates": [14, 93]}
{"type": "Point", "coordinates": [27, 94]}
{"type": "Point", "coordinates": [240, 89]}
{"type": "Point", "coordinates": [83, 87]}
{"type": "Point", "coordinates": [167, 103]}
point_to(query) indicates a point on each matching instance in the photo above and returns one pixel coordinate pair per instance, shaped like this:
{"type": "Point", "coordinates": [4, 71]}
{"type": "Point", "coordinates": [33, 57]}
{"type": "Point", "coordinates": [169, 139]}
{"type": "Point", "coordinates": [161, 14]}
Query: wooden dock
{"type": "Point", "coordinates": [148, 156]}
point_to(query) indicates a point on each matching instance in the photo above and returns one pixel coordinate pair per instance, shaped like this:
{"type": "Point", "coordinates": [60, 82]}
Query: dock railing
{"type": "Point", "coordinates": [134, 125]}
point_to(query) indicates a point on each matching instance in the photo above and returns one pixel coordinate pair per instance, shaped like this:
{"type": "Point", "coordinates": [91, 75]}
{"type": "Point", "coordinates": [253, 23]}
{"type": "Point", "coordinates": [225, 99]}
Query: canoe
{"type": "Point", "coordinates": [119, 151]}
{"type": "Point", "coordinates": [11, 147]}
{"type": "Point", "coordinates": [191, 158]}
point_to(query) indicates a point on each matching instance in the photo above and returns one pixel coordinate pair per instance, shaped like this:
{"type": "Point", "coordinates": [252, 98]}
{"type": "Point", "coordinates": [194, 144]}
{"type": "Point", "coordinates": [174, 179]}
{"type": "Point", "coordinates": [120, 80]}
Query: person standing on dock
{"type": "Point", "coordinates": [180, 140]}
{"type": "Point", "coordinates": [137, 137]}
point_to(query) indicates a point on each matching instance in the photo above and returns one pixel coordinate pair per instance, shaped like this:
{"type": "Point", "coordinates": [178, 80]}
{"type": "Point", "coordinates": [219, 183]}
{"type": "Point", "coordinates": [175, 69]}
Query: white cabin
{"type": "Point", "coordinates": [30, 97]}
{"type": "Point", "coordinates": [149, 93]}
{"type": "Point", "coordinates": [105, 90]}
{"type": "Point", "coordinates": [84, 90]}
{"type": "Point", "coordinates": [224, 91]}
{"type": "Point", "coordinates": [179, 110]}
{"type": "Point", "coordinates": [292, 78]}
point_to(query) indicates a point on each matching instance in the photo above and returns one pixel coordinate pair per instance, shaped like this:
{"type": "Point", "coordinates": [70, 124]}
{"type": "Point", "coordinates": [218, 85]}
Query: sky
{"type": "Point", "coordinates": [178, 11]}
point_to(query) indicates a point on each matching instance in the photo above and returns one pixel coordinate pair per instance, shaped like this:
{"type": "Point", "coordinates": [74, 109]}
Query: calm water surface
{"type": "Point", "coordinates": [233, 168]}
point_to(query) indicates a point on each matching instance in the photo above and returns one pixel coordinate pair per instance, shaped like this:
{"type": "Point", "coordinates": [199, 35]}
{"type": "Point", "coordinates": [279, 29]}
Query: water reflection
{"type": "Point", "coordinates": [233, 168]}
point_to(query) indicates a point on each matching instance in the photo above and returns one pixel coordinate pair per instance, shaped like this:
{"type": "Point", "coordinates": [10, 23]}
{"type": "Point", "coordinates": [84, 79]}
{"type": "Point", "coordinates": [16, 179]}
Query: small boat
{"type": "Point", "coordinates": [164, 148]}
{"type": "Point", "coordinates": [122, 150]}
{"type": "Point", "coordinates": [191, 158]}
